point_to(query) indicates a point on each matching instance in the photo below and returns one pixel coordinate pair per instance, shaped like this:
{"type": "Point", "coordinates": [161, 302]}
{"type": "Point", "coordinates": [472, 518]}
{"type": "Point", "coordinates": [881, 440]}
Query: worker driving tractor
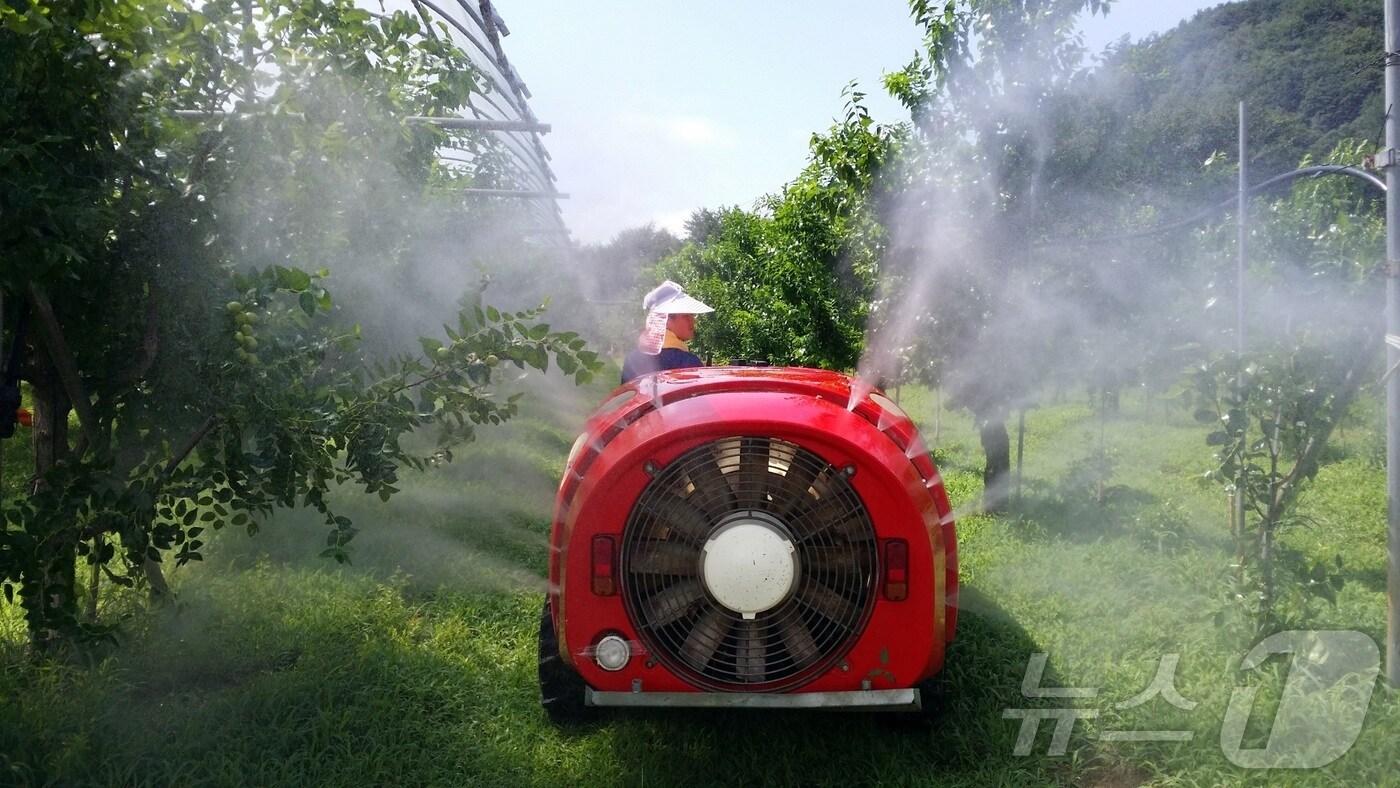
{"type": "Point", "coordinates": [670, 325]}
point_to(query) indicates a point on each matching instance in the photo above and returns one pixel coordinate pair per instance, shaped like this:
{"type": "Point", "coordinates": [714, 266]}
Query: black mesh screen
{"type": "Point", "coordinates": [803, 497]}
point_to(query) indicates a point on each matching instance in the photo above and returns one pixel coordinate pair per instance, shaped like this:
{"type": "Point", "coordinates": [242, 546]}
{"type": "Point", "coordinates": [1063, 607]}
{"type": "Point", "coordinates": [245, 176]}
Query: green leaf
{"type": "Point", "coordinates": [308, 303]}
{"type": "Point", "coordinates": [293, 279]}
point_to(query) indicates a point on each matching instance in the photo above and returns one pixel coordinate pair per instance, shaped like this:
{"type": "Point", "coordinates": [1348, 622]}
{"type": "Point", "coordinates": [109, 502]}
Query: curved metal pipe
{"type": "Point", "coordinates": [1304, 172]}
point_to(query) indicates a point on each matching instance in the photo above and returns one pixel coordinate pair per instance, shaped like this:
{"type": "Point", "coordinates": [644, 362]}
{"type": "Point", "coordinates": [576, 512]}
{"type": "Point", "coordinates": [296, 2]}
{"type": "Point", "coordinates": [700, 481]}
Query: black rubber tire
{"type": "Point", "coordinates": [934, 694]}
{"type": "Point", "coordinates": [561, 687]}
{"type": "Point", "coordinates": [933, 705]}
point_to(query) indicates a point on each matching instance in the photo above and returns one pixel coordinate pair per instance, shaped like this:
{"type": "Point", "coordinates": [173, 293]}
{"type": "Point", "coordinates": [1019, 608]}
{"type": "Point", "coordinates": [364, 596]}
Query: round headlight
{"type": "Point", "coordinates": [612, 653]}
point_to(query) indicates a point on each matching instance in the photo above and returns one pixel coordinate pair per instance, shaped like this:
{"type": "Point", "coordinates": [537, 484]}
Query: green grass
{"type": "Point", "coordinates": [416, 665]}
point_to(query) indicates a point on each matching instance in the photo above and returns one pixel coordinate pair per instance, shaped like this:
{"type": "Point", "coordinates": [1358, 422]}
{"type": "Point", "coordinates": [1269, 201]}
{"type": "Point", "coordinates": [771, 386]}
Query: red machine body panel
{"type": "Point", "coordinates": [646, 425]}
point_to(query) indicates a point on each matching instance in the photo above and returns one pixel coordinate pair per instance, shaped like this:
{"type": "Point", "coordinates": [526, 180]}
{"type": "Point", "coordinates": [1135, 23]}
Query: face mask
{"type": "Point", "coordinates": [654, 335]}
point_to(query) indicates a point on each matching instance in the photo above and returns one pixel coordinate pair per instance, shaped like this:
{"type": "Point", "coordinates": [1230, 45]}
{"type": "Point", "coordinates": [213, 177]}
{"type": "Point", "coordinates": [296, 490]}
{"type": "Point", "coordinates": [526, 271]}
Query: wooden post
{"type": "Point", "coordinates": [1020, 450]}
{"type": "Point", "coordinates": [937, 414]}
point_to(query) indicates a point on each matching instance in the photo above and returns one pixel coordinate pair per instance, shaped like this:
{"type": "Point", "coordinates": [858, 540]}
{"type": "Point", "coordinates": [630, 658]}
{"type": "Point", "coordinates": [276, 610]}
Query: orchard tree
{"type": "Point", "coordinates": [792, 281]}
{"type": "Point", "coordinates": [171, 278]}
{"type": "Point", "coordinates": [987, 175]}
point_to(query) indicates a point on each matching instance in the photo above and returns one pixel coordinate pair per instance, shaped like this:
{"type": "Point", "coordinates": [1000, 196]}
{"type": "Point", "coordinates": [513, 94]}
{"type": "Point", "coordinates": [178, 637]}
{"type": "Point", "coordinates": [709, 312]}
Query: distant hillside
{"type": "Point", "coordinates": [1309, 71]}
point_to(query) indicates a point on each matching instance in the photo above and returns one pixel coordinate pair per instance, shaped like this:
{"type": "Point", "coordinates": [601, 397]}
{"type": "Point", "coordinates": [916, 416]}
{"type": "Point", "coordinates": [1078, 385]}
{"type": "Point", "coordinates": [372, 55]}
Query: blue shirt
{"type": "Point", "coordinates": [638, 363]}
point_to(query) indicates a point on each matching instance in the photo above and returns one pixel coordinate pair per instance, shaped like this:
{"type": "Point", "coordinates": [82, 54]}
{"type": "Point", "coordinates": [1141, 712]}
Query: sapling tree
{"type": "Point", "coordinates": [1314, 318]}
{"type": "Point", "coordinates": [1272, 414]}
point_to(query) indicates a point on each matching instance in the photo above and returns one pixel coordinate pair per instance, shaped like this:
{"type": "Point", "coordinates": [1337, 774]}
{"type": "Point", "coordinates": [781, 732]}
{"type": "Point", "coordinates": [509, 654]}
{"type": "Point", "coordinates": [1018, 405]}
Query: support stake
{"type": "Point", "coordinates": [1392, 326]}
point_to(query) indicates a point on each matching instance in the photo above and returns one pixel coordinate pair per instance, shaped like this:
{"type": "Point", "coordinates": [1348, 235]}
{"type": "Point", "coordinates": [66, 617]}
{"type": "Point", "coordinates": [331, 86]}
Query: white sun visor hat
{"type": "Point", "coordinates": [669, 298]}
{"type": "Point", "coordinates": [666, 299]}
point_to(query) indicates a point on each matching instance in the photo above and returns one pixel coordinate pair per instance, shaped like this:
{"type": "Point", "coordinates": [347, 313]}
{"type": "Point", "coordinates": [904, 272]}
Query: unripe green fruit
{"type": "Point", "coordinates": [443, 354]}
{"type": "Point", "coordinates": [245, 329]}
{"type": "Point", "coordinates": [251, 344]}
{"type": "Point", "coordinates": [234, 307]}
{"type": "Point", "coordinates": [492, 360]}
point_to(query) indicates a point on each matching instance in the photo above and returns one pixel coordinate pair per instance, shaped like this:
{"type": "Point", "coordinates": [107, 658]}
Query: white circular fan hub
{"type": "Point", "coordinates": [749, 565]}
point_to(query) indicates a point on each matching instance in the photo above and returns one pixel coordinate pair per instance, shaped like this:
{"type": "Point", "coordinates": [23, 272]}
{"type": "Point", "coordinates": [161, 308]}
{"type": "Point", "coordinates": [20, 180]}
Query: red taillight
{"type": "Point", "coordinates": [896, 570]}
{"type": "Point", "coordinates": [604, 566]}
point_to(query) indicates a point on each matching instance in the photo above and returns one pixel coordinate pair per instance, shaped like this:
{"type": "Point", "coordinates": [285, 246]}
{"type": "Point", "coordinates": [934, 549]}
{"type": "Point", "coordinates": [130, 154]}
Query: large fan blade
{"type": "Point", "coordinates": [666, 558]}
{"type": "Point", "coordinates": [797, 638]}
{"type": "Point", "coordinates": [751, 482]}
{"type": "Point", "coordinates": [835, 517]}
{"type": "Point", "coordinates": [833, 560]}
{"type": "Point", "coordinates": [822, 485]}
{"type": "Point", "coordinates": [702, 642]}
{"type": "Point", "coordinates": [794, 491]}
{"type": "Point", "coordinates": [830, 604]}
{"type": "Point", "coordinates": [712, 490]}
{"type": "Point", "coordinates": [685, 519]}
{"type": "Point", "coordinates": [674, 602]}
{"type": "Point", "coordinates": [832, 522]}
{"type": "Point", "coordinates": [753, 652]}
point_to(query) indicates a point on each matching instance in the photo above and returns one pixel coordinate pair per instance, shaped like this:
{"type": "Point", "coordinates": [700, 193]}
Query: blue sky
{"type": "Point", "coordinates": [660, 107]}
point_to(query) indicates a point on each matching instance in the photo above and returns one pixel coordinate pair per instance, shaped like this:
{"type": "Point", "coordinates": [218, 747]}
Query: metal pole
{"type": "Point", "coordinates": [1241, 252]}
{"type": "Point", "coordinates": [518, 193]}
{"type": "Point", "coordinates": [1241, 232]}
{"type": "Point", "coordinates": [1392, 326]}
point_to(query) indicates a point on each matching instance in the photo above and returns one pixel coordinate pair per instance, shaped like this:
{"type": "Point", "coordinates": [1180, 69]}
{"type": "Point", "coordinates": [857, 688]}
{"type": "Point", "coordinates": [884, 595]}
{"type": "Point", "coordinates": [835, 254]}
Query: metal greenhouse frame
{"type": "Point", "coordinates": [501, 110]}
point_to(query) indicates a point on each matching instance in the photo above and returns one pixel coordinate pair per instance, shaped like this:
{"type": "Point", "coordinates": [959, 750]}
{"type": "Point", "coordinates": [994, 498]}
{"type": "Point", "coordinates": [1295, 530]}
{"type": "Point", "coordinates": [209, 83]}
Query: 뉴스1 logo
{"type": "Point", "coordinates": [1320, 712]}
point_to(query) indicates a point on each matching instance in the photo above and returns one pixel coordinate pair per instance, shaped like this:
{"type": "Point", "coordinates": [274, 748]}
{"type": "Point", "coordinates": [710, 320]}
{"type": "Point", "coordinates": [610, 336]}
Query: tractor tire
{"type": "Point", "coordinates": [934, 695]}
{"type": "Point", "coordinates": [933, 700]}
{"type": "Point", "coordinates": [561, 688]}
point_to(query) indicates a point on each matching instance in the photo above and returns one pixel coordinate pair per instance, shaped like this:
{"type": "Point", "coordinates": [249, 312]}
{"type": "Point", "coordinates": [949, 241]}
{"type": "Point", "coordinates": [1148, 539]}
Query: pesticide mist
{"type": "Point", "coordinates": [283, 516]}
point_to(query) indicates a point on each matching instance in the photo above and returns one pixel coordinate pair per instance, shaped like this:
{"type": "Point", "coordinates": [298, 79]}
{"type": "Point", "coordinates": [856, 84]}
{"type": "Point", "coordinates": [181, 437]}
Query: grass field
{"type": "Point", "coordinates": [416, 665]}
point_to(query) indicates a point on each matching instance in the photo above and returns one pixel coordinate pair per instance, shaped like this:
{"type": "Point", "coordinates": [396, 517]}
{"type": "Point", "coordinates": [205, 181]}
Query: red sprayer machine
{"type": "Point", "coordinates": [747, 537]}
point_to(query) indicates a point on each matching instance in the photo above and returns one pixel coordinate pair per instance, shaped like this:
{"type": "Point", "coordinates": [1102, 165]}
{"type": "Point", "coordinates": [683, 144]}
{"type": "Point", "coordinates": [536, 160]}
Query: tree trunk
{"type": "Point", "coordinates": [996, 444]}
{"type": "Point", "coordinates": [49, 586]}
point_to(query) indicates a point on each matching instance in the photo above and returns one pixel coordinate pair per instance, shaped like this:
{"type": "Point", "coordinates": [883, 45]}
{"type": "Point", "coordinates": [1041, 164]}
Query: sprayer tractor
{"type": "Point", "coordinates": [747, 537]}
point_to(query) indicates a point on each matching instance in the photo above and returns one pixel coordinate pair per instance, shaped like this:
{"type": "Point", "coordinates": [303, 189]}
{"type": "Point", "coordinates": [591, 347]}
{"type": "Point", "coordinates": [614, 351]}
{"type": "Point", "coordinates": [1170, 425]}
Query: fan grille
{"type": "Point", "coordinates": [811, 503]}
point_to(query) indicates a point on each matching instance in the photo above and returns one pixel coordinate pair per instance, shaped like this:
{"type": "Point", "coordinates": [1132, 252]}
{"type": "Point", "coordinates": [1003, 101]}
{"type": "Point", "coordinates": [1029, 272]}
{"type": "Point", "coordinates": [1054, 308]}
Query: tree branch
{"type": "Point", "coordinates": [57, 349]}
{"type": "Point", "coordinates": [1307, 458]}
{"type": "Point", "coordinates": [189, 446]}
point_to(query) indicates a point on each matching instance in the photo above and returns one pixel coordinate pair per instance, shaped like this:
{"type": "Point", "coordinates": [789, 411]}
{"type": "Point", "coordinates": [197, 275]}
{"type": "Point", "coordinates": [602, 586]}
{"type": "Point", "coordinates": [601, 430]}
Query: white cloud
{"type": "Point", "coordinates": [673, 221]}
{"type": "Point", "coordinates": [691, 131]}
